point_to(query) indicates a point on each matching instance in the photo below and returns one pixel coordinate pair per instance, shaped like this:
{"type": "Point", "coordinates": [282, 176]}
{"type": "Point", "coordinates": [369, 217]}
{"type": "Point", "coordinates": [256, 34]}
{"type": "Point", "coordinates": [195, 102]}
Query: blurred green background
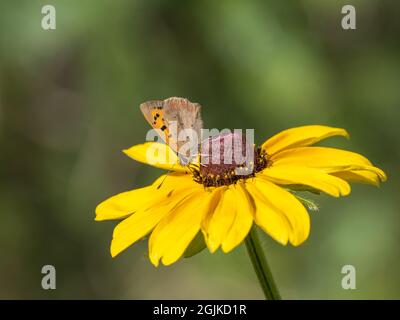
{"type": "Point", "coordinates": [69, 104]}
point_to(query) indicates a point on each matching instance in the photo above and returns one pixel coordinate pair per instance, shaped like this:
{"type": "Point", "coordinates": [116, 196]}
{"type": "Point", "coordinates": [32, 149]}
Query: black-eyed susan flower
{"type": "Point", "coordinates": [221, 206]}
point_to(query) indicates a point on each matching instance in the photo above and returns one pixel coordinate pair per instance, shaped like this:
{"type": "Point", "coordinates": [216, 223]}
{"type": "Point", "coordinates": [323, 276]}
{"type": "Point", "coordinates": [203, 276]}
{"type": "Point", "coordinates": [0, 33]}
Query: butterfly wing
{"type": "Point", "coordinates": [171, 116]}
{"type": "Point", "coordinates": [153, 112]}
{"type": "Point", "coordinates": [183, 114]}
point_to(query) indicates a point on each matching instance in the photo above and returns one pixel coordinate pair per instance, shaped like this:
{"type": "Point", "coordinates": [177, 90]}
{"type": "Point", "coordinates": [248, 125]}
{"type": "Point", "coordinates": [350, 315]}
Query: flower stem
{"type": "Point", "coordinates": [259, 261]}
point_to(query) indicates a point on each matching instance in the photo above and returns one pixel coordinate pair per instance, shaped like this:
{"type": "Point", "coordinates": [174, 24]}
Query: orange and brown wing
{"type": "Point", "coordinates": [153, 111]}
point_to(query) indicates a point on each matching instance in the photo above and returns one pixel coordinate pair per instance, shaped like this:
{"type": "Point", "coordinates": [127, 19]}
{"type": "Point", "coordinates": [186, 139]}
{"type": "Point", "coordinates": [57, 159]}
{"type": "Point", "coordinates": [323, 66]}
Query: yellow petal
{"type": "Point", "coordinates": [156, 154]}
{"type": "Point", "coordinates": [123, 204]}
{"type": "Point", "coordinates": [168, 201]}
{"type": "Point", "coordinates": [176, 180]}
{"type": "Point", "coordinates": [217, 223]}
{"type": "Point", "coordinates": [243, 220]}
{"type": "Point", "coordinates": [360, 176]}
{"type": "Point", "coordinates": [271, 220]}
{"type": "Point", "coordinates": [300, 137]}
{"type": "Point", "coordinates": [174, 232]}
{"type": "Point", "coordinates": [286, 205]}
{"type": "Point", "coordinates": [126, 203]}
{"type": "Point", "coordinates": [329, 159]}
{"type": "Point", "coordinates": [315, 178]}
{"type": "Point", "coordinates": [143, 221]}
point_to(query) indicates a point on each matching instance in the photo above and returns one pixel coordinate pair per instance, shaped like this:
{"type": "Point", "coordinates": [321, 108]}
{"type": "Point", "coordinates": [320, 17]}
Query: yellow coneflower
{"type": "Point", "coordinates": [223, 206]}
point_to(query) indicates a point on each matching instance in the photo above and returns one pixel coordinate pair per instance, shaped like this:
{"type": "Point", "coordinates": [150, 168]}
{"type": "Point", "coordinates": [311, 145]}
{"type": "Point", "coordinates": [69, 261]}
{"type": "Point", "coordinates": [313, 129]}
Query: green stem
{"type": "Point", "coordinates": [260, 265]}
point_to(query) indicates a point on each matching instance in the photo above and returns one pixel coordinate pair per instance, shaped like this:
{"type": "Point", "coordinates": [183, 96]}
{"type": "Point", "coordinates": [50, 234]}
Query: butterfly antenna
{"type": "Point", "coordinates": [165, 177]}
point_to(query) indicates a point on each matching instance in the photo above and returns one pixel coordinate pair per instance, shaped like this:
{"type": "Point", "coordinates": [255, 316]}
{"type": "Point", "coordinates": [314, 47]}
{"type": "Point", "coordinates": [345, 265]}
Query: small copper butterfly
{"type": "Point", "coordinates": [172, 116]}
